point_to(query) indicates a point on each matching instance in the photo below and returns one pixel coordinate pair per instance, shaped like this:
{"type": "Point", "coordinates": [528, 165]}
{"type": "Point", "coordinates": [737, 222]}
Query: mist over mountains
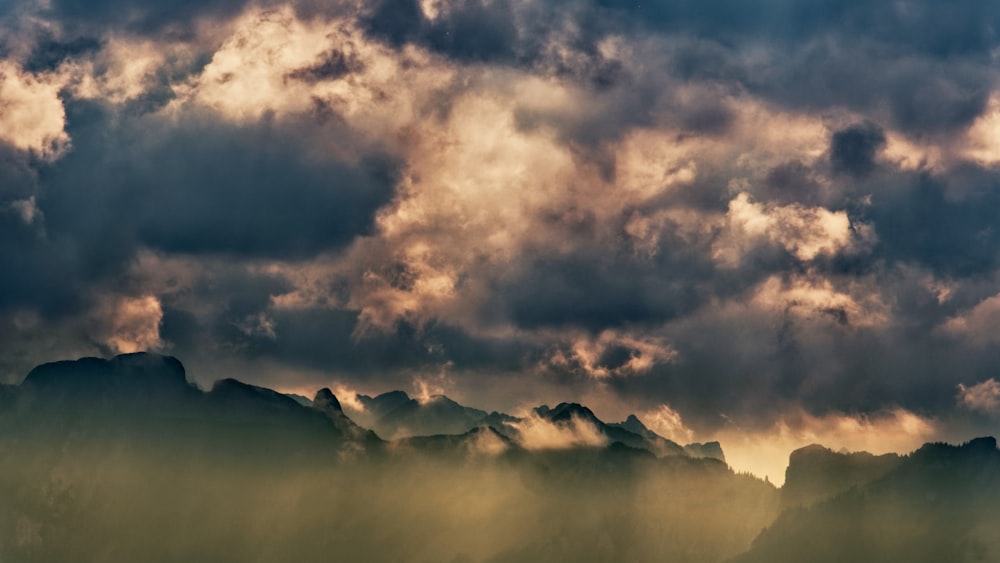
{"type": "Point", "coordinates": [126, 460]}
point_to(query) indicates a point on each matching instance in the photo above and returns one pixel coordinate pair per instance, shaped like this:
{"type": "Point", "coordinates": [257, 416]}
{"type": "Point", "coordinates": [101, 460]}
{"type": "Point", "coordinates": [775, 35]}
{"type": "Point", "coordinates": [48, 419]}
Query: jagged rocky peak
{"type": "Point", "coordinates": [633, 424]}
{"type": "Point", "coordinates": [325, 400]}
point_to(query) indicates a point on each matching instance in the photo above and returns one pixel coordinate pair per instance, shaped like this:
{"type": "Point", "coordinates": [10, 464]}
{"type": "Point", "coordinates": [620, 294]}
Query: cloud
{"type": "Point", "coordinates": [813, 298]}
{"type": "Point", "coordinates": [537, 433]}
{"type": "Point", "coordinates": [766, 452]}
{"type": "Point", "coordinates": [977, 324]}
{"type": "Point", "coordinates": [983, 396]}
{"type": "Point", "coordinates": [33, 118]}
{"type": "Point", "coordinates": [668, 423]}
{"type": "Point", "coordinates": [27, 209]}
{"type": "Point", "coordinates": [806, 233]}
{"type": "Point", "coordinates": [130, 324]}
{"type": "Point", "coordinates": [611, 354]}
{"type": "Point", "coordinates": [853, 149]}
{"type": "Point", "coordinates": [197, 185]}
{"type": "Point", "coordinates": [726, 210]}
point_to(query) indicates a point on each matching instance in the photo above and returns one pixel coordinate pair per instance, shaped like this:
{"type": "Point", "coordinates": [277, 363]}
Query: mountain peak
{"type": "Point", "coordinates": [988, 443]}
{"type": "Point", "coordinates": [707, 449]}
{"type": "Point", "coordinates": [326, 400]}
{"type": "Point", "coordinates": [633, 424]}
{"type": "Point", "coordinates": [565, 411]}
{"type": "Point", "coordinates": [147, 360]}
{"type": "Point", "coordinates": [127, 379]}
{"type": "Point", "coordinates": [380, 405]}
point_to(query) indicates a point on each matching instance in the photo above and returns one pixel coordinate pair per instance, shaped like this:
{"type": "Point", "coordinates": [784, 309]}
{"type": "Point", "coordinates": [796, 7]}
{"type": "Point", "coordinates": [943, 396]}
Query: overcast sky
{"type": "Point", "coordinates": [737, 217]}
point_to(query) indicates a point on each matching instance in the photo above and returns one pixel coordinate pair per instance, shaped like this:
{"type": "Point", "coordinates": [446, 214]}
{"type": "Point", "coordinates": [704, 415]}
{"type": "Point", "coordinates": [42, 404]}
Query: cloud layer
{"type": "Point", "coordinates": [737, 211]}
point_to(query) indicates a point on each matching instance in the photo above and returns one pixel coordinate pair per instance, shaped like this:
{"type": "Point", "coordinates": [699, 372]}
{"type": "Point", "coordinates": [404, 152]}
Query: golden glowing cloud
{"type": "Point", "coordinates": [805, 232]}
{"type": "Point", "coordinates": [983, 397]}
{"type": "Point", "coordinates": [537, 433]}
{"type": "Point", "coordinates": [978, 324]}
{"type": "Point", "coordinates": [766, 452]}
{"type": "Point", "coordinates": [130, 324]}
{"type": "Point", "coordinates": [32, 117]}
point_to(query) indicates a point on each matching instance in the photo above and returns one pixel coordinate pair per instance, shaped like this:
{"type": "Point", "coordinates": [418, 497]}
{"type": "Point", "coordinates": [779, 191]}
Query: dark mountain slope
{"type": "Point", "coordinates": [942, 503]}
{"type": "Point", "coordinates": [816, 473]}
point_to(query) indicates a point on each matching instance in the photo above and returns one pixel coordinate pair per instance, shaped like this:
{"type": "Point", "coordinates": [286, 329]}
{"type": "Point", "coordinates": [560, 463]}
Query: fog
{"type": "Point", "coordinates": [115, 501]}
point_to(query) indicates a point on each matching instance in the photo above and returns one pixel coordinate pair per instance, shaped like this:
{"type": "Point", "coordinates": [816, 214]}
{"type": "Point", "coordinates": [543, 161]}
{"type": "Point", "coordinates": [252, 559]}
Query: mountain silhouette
{"type": "Point", "coordinates": [326, 402]}
{"type": "Point", "coordinates": [410, 417]}
{"type": "Point", "coordinates": [939, 503]}
{"type": "Point", "coordinates": [816, 473]}
{"type": "Point", "coordinates": [126, 460]}
{"type": "Point", "coordinates": [146, 398]}
{"type": "Point", "coordinates": [383, 404]}
{"type": "Point", "coordinates": [659, 445]}
{"type": "Point", "coordinates": [132, 381]}
{"type": "Point", "coordinates": [711, 450]}
{"type": "Point", "coordinates": [631, 432]}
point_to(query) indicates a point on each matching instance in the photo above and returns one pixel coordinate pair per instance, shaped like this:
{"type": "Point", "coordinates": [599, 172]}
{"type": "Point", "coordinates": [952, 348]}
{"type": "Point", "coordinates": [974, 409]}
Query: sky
{"type": "Point", "coordinates": [768, 222]}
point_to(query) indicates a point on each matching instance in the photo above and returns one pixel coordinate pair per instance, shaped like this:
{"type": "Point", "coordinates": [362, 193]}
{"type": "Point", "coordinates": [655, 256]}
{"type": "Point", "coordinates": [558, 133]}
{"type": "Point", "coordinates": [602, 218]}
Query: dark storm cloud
{"type": "Point", "coordinates": [204, 186]}
{"type": "Point", "coordinates": [18, 178]}
{"type": "Point", "coordinates": [917, 95]}
{"type": "Point", "coordinates": [44, 275]}
{"type": "Point", "coordinates": [792, 181]}
{"type": "Point", "coordinates": [330, 66]}
{"type": "Point", "coordinates": [944, 222]}
{"type": "Point", "coordinates": [36, 264]}
{"type": "Point", "coordinates": [326, 340]}
{"type": "Point", "coordinates": [604, 289]}
{"type": "Point", "coordinates": [853, 149]}
{"type": "Point", "coordinates": [467, 30]}
{"type": "Point", "coordinates": [925, 65]}
{"type": "Point", "coordinates": [138, 16]}
{"type": "Point", "coordinates": [746, 369]}
{"type": "Point", "coordinates": [49, 52]}
{"type": "Point", "coordinates": [198, 186]}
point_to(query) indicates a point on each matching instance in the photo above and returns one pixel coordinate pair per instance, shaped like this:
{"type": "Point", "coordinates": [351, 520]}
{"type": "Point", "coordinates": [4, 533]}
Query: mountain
{"type": "Point", "coordinates": [395, 414]}
{"type": "Point", "coordinates": [131, 381]}
{"type": "Point", "coordinates": [711, 450]}
{"type": "Point", "coordinates": [664, 446]}
{"type": "Point", "coordinates": [381, 405]}
{"type": "Point", "coordinates": [146, 399]}
{"type": "Point", "coordinates": [816, 473]}
{"type": "Point", "coordinates": [126, 460]}
{"type": "Point", "coordinates": [300, 399]}
{"type": "Point", "coordinates": [631, 432]}
{"type": "Point", "coordinates": [660, 445]}
{"type": "Point", "coordinates": [326, 402]}
{"type": "Point", "coordinates": [482, 441]}
{"type": "Point", "coordinates": [940, 503]}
